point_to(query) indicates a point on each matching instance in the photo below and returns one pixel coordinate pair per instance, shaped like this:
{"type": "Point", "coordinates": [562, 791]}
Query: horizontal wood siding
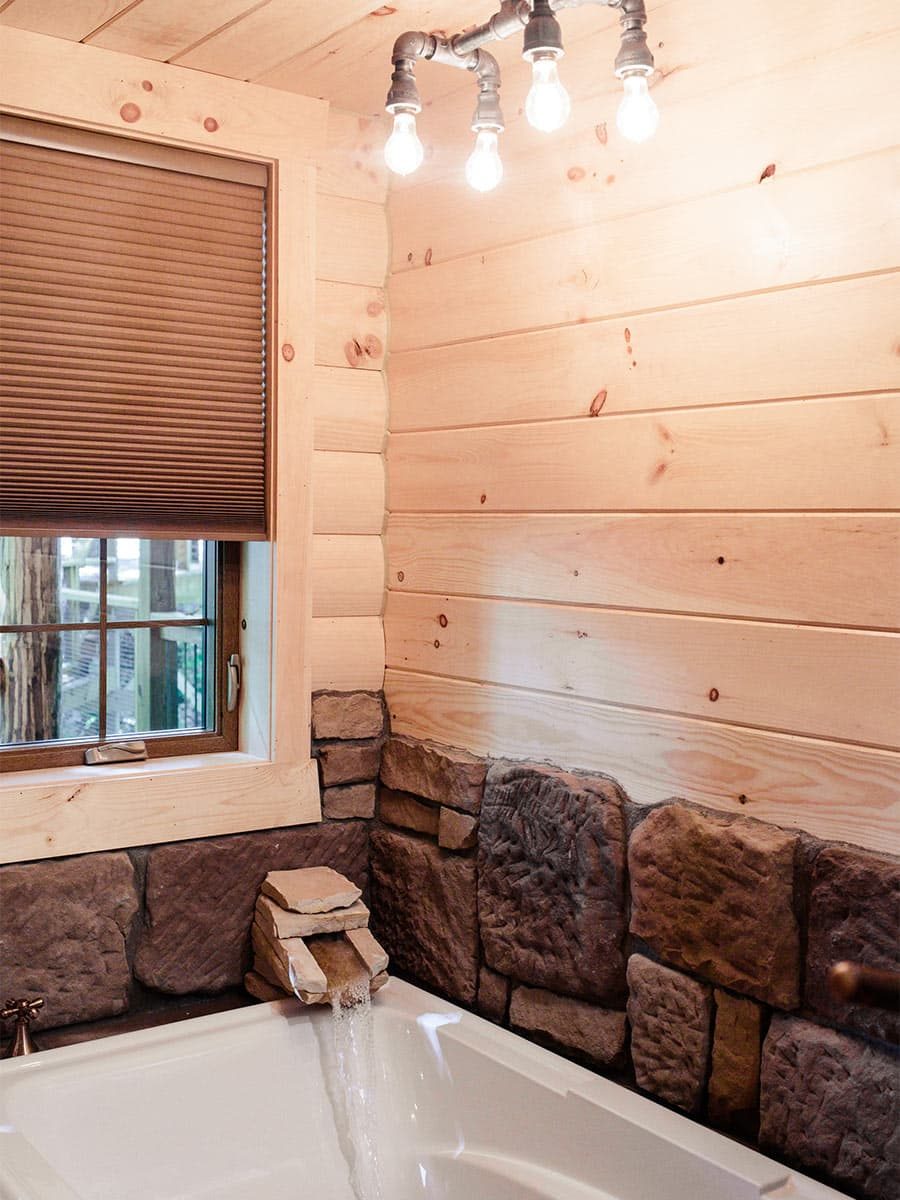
{"type": "Point", "coordinates": [643, 465]}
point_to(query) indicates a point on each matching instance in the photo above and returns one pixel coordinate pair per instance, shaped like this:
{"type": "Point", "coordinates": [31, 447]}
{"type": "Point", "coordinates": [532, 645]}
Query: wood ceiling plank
{"type": "Point", "coordinates": [269, 34]}
{"type": "Point", "coordinates": [161, 29]}
{"type": "Point", "coordinates": [73, 20]}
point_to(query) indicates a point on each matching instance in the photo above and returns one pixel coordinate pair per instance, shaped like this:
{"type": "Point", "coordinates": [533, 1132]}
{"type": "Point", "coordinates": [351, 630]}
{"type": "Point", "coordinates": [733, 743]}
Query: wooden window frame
{"type": "Point", "coordinates": [224, 737]}
{"type": "Point", "coordinates": [271, 780]}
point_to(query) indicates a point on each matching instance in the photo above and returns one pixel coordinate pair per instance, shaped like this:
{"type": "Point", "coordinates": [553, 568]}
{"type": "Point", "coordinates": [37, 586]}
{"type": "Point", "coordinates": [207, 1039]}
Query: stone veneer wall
{"type": "Point", "coordinates": [101, 935]}
{"type": "Point", "coordinates": [675, 948]}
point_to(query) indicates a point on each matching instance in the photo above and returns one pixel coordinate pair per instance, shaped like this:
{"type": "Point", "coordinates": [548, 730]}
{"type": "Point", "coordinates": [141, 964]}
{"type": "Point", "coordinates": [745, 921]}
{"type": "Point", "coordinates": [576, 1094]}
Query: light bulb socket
{"type": "Point", "coordinates": [543, 34]}
{"type": "Point", "coordinates": [634, 57]}
{"type": "Point", "coordinates": [488, 113]}
{"type": "Point", "coordinates": [404, 92]}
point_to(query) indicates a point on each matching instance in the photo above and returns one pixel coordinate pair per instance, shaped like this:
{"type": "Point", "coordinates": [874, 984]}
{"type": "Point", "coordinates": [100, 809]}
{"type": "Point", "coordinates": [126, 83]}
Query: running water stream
{"type": "Point", "coordinates": [353, 1077]}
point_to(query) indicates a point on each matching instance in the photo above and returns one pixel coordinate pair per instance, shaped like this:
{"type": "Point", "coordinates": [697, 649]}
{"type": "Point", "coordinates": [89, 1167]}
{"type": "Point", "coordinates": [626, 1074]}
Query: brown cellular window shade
{"type": "Point", "coordinates": [132, 336]}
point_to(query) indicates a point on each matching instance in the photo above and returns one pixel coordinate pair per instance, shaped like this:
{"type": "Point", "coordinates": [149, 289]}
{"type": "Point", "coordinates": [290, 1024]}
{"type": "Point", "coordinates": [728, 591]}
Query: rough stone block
{"type": "Point", "coordinates": [551, 883]}
{"type": "Point", "coordinates": [346, 762]}
{"type": "Point", "coordinates": [456, 830]}
{"type": "Point", "coordinates": [829, 1103]}
{"type": "Point", "coordinates": [493, 995]}
{"type": "Point", "coordinates": [310, 889]}
{"type": "Point", "coordinates": [260, 988]}
{"type": "Point", "coordinates": [371, 954]}
{"type": "Point", "coordinates": [277, 922]}
{"type": "Point", "coordinates": [597, 1034]}
{"type": "Point", "coordinates": [342, 803]}
{"type": "Point", "coordinates": [424, 912]}
{"type": "Point", "coordinates": [200, 898]}
{"type": "Point", "coordinates": [670, 1028]}
{"type": "Point", "coordinates": [408, 812]}
{"type": "Point", "coordinates": [347, 715]}
{"type": "Point", "coordinates": [716, 897]}
{"type": "Point", "coordinates": [854, 915]}
{"type": "Point", "coordinates": [289, 962]}
{"type": "Point", "coordinates": [734, 1083]}
{"type": "Point", "coordinates": [64, 926]}
{"type": "Point", "coordinates": [446, 776]}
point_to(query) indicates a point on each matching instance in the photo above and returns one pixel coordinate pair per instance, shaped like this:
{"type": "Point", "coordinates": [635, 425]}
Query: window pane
{"type": "Point", "coordinates": [50, 686]}
{"type": "Point", "coordinates": [156, 680]}
{"type": "Point", "coordinates": [49, 581]}
{"type": "Point", "coordinates": [155, 580]}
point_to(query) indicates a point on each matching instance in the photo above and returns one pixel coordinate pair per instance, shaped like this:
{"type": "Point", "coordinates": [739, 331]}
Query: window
{"type": "Point", "coordinates": [114, 638]}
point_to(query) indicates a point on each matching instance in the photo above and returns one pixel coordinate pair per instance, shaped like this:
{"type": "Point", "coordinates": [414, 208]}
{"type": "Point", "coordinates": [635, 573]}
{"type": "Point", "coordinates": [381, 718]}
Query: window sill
{"type": "Point", "coordinates": [161, 800]}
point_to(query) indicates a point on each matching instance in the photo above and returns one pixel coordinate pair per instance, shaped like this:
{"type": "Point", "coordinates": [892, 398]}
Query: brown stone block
{"type": "Point", "coordinates": [596, 1033]}
{"type": "Point", "coordinates": [345, 762]}
{"type": "Point", "coordinates": [670, 1018]}
{"type": "Point", "coordinates": [854, 915]}
{"type": "Point", "coordinates": [734, 1081]}
{"type": "Point", "coordinates": [716, 897]}
{"type": "Point", "coordinates": [438, 773]}
{"type": "Point", "coordinates": [456, 830]}
{"type": "Point", "coordinates": [343, 803]}
{"type": "Point", "coordinates": [200, 898]}
{"type": "Point", "coordinates": [493, 995]}
{"type": "Point", "coordinates": [408, 812]}
{"type": "Point", "coordinates": [829, 1102]}
{"type": "Point", "coordinates": [347, 715]}
{"type": "Point", "coordinates": [64, 926]}
{"type": "Point", "coordinates": [551, 883]}
{"type": "Point", "coordinates": [423, 910]}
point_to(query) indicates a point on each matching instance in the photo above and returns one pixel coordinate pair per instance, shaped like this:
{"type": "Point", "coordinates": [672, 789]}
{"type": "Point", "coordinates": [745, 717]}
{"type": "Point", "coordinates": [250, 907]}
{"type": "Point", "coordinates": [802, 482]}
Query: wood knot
{"type": "Point", "coordinates": [601, 133]}
{"type": "Point", "coordinates": [146, 85]}
{"type": "Point", "coordinates": [353, 352]}
{"type": "Point", "coordinates": [483, 497]}
{"type": "Point", "coordinates": [287, 352]}
{"type": "Point", "coordinates": [400, 576]}
{"type": "Point", "coordinates": [428, 253]}
{"type": "Point", "coordinates": [597, 403]}
{"type": "Point", "coordinates": [437, 644]}
{"type": "Point", "coordinates": [442, 621]}
{"type": "Point", "coordinates": [575, 174]}
{"type": "Point", "coordinates": [130, 112]}
{"type": "Point", "coordinates": [210, 124]}
{"type": "Point", "coordinates": [714, 694]}
{"type": "Point", "coordinates": [742, 799]}
{"type": "Point", "coordinates": [384, 11]}
{"type": "Point", "coordinates": [372, 346]}
{"type": "Point", "coordinates": [768, 172]}
{"type": "Point", "coordinates": [375, 308]}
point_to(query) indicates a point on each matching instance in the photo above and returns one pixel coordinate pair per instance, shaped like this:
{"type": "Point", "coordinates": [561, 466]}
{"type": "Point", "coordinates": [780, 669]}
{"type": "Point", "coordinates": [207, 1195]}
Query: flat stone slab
{"type": "Point", "coordinates": [717, 897]}
{"type": "Point", "coordinates": [371, 954]}
{"type": "Point", "coordinates": [441, 774]}
{"type": "Point", "coordinates": [345, 762]}
{"type": "Point", "coordinates": [277, 922]}
{"type": "Point", "coordinates": [733, 1101]}
{"type": "Point", "coordinates": [354, 800]}
{"type": "Point", "coordinates": [670, 1018]}
{"type": "Point", "coordinates": [598, 1034]}
{"type": "Point", "coordinates": [456, 830]}
{"type": "Point", "coordinates": [200, 897]}
{"type": "Point", "coordinates": [347, 715]}
{"type": "Point", "coordinates": [408, 812]}
{"type": "Point", "coordinates": [854, 915]}
{"type": "Point", "coordinates": [828, 1102]}
{"type": "Point", "coordinates": [551, 882]}
{"type": "Point", "coordinates": [289, 961]}
{"type": "Point", "coordinates": [64, 924]}
{"type": "Point", "coordinates": [424, 912]}
{"type": "Point", "coordinates": [310, 889]}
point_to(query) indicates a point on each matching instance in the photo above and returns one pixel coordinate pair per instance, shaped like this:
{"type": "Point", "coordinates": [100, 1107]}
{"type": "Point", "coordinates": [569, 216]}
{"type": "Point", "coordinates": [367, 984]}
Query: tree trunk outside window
{"type": "Point", "coordinates": [30, 680]}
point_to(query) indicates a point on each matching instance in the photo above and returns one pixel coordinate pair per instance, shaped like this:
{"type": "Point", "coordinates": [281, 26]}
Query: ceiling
{"type": "Point", "coordinates": [338, 50]}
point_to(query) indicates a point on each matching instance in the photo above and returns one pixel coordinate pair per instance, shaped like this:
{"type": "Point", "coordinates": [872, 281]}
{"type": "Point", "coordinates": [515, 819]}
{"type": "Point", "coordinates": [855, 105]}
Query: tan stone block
{"type": "Point", "coordinates": [278, 922]}
{"type": "Point", "coordinates": [343, 762]}
{"type": "Point", "coordinates": [456, 830]}
{"type": "Point", "coordinates": [407, 812]}
{"type": "Point", "coordinates": [289, 962]}
{"type": "Point", "coordinates": [737, 1043]}
{"type": "Point", "coordinates": [378, 982]}
{"type": "Point", "coordinates": [372, 955]}
{"type": "Point", "coordinates": [438, 773]}
{"type": "Point", "coordinates": [598, 1033]}
{"type": "Point", "coordinates": [354, 800]}
{"type": "Point", "coordinates": [259, 987]}
{"type": "Point", "coordinates": [310, 889]}
{"type": "Point", "coordinates": [347, 715]}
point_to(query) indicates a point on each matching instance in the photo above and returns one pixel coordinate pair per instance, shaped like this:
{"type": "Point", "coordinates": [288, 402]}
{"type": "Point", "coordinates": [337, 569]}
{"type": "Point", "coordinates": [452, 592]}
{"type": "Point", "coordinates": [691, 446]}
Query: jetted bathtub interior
{"type": "Point", "coordinates": [243, 1104]}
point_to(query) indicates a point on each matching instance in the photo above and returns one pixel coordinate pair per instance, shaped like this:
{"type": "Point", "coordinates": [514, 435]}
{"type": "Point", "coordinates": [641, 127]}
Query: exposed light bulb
{"type": "Point", "coordinates": [638, 115]}
{"type": "Point", "coordinates": [484, 167]}
{"type": "Point", "coordinates": [403, 152]}
{"type": "Point", "coordinates": [547, 106]}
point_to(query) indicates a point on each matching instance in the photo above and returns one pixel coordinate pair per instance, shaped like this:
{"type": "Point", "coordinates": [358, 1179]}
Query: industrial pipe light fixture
{"type": "Point", "coordinates": [547, 106]}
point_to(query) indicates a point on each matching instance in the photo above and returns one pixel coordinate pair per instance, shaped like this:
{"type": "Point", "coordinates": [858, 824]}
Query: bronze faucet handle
{"type": "Point", "coordinates": [23, 1009]}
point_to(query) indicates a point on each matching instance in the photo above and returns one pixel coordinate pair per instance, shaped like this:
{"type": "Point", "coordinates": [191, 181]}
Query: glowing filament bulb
{"type": "Point", "coordinates": [403, 152]}
{"type": "Point", "coordinates": [638, 115]}
{"type": "Point", "coordinates": [547, 106]}
{"type": "Point", "coordinates": [484, 168]}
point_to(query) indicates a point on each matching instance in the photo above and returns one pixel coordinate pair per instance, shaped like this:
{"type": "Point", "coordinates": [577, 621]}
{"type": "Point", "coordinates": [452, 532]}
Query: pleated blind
{"type": "Point", "coordinates": [132, 334]}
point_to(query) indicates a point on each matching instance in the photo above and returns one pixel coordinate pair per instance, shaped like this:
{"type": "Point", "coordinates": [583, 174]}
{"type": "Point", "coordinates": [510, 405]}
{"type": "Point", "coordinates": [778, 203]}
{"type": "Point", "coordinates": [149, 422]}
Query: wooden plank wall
{"type": "Point", "coordinates": [350, 408]}
{"type": "Point", "coordinates": [645, 416]}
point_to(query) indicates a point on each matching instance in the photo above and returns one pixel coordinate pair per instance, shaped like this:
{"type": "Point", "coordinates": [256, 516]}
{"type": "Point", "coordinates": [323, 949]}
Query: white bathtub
{"type": "Point", "coordinates": [236, 1106]}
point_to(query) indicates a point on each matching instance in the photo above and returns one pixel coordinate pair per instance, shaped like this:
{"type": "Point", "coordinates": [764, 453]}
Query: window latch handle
{"type": "Point", "coordinates": [233, 689]}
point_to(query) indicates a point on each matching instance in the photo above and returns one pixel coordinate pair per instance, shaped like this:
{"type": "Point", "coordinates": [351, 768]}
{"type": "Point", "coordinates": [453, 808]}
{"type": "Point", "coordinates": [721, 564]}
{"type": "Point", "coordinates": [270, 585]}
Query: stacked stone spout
{"type": "Point", "coordinates": [311, 938]}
